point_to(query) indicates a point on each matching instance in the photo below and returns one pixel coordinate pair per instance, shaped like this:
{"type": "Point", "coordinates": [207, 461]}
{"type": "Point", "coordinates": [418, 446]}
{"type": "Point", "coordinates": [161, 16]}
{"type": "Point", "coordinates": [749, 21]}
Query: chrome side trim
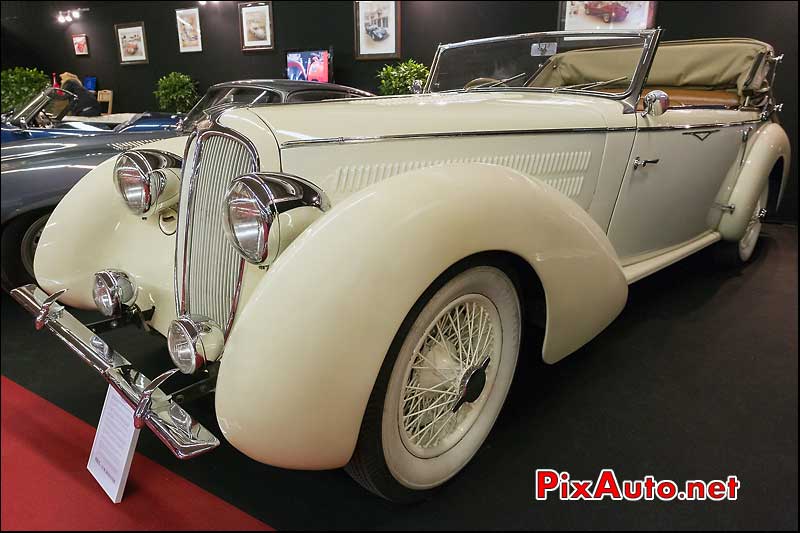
{"type": "Point", "coordinates": [451, 134]}
{"type": "Point", "coordinates": [702, 126]}
{"type": "Point", "coordinates": [185, 437]}
{"type": "Point", "coordinates": [406, 136]}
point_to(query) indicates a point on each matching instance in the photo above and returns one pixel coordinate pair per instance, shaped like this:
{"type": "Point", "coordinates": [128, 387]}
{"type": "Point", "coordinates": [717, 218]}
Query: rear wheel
{"type": "Point", "coordinates": [441, 386]}
{"type": "Point", "coordinates": [732, 254]}
{"type": "Point", "coordinates": [19, 242]}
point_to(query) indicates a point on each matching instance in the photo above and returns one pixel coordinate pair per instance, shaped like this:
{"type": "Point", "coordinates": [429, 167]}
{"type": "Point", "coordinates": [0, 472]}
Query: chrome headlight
{"type": "Point", "coordinates": [112, 289]}
{"type": "Point", "coordinates": [194, 340]}
{"type": "Point", "coordinates": [251, 207]}
{"type": "Point", "coordinates": [141, 177]}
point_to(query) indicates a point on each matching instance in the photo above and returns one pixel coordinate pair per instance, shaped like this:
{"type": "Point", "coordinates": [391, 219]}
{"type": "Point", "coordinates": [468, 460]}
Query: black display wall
{"type": "Point", "coordinates": [31, 36]}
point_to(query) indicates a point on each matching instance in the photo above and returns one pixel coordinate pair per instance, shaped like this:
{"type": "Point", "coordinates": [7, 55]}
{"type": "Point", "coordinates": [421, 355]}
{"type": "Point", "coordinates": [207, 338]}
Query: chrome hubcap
{"type": "Point", "coordinates": [450, 376]}
{"type": "Point", "coordinates": [472, 385]}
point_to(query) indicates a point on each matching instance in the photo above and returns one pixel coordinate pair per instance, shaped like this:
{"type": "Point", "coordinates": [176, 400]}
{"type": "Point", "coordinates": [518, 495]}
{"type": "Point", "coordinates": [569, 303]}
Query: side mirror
{"type": "Point", "coordinates": [655, 103]}
{"type": "Point", "coordinates": [416, 87]}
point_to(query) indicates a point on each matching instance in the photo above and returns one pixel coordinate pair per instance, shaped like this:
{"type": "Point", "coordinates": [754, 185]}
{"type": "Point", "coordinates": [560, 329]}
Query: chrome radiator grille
{"type": "Point", "coordinates": [208, 268]}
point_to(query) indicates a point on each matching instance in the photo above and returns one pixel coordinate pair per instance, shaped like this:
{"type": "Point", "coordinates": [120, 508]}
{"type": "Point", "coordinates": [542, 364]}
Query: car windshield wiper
{"type": "Point", "coordinates": [590, 85]}
{"type": "Point", "coordinates": [496, 82]}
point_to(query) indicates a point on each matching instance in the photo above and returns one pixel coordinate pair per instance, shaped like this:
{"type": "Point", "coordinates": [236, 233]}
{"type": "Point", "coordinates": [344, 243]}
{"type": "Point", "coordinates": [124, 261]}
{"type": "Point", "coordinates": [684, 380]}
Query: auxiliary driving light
{"type": "Point", "coordinates": [194, 340]}
{"type": "Point", "coordinates": [112, 289]}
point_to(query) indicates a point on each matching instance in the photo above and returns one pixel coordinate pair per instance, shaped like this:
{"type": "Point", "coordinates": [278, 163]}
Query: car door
{"type": "Point", "coordinates": [676, 168]}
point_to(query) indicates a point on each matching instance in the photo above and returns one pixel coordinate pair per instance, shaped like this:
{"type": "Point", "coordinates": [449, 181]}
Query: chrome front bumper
{"type": "Point", "coordinates": [184, 436]}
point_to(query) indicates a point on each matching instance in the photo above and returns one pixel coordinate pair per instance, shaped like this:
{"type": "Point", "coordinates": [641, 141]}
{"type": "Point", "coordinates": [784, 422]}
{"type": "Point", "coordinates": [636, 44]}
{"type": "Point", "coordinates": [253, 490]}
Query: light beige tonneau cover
{"type": "Point", "coordinates": [715, 64]}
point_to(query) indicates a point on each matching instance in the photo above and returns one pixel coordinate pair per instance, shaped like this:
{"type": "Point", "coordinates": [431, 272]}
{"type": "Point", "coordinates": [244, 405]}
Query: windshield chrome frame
{"type": "Point", "coordinates": [629, 98]}
{"type": "Point", "coordinates": [32, 109]}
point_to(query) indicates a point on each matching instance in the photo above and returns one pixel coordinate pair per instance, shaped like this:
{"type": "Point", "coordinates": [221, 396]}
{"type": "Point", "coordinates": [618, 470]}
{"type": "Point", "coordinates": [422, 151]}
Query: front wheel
{"type": "Point", "coordinates": [441, 387]}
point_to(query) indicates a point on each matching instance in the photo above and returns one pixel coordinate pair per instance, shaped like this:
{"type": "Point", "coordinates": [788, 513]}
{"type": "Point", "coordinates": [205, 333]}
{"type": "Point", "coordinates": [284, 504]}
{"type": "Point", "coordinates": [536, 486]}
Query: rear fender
{"type": "Point", "coordinates": [306, 347]}
{"type": "Point", "coordinates": [769, 145]}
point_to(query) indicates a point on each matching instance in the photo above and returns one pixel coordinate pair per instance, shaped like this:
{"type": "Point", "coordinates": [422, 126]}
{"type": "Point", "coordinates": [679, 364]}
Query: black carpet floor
{"type": "Point", "coordinates": [697, 379]}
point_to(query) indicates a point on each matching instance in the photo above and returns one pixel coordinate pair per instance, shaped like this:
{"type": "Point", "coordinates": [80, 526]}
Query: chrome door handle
{"type": "Point", "coordinates": [639, 162]}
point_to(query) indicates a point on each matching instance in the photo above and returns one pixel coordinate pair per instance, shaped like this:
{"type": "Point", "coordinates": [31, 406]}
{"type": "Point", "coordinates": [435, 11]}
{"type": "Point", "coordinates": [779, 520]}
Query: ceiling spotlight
{"type": "Point", "coordinates": [76, 14]}
{"type": "Point", "coordinates": [61, 18]}
{"type": "Point", "coordinates": [201, 3]}
{"type": "Point", "coordinates": [68, 18]}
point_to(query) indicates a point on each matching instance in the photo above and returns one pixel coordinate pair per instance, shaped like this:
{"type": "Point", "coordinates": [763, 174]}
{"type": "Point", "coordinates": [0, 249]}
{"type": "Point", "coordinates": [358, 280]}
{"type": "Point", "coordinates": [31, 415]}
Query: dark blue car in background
{"type": "Point", "coordinates": [45, 116]}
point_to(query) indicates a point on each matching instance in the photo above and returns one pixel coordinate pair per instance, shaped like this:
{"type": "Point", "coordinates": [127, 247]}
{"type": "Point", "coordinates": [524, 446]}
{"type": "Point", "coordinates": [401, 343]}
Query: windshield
{"type": "Point", "coordinates": [557, 61]}
{"type": "Point", "coordinates": [54, 102]}
{"type": "Point", "coordinates": [227, 95]}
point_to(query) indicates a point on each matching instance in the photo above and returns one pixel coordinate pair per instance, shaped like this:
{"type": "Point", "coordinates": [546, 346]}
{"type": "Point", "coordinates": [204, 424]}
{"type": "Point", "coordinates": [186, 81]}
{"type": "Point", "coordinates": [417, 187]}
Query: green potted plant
{"type": "Point", "coordinates": [399, 78]}
{"type": "Point", "coordinates": [176, 93]}
{"type": "Point", "coordinates": [20, 84]}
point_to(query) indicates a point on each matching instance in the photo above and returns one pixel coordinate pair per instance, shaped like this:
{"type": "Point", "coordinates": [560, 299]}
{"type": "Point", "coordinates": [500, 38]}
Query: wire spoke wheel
{"type": "Point", "coordinates": [449, 376]}
{"type": "Point", "coordinates": [442, 384]}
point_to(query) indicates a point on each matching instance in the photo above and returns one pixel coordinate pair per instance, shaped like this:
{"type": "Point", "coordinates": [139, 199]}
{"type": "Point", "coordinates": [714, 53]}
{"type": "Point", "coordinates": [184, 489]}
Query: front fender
{"type": "Point", "coordinates": [304, 352]}
{"type": "Point", "coordinates": [770, 144]}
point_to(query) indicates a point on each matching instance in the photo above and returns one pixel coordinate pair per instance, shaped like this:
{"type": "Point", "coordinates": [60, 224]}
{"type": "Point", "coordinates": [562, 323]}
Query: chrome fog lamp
{"type": "Point", "coordinates": [112, 289]}
{"type": "Point", "coordinates": [194, 340]}
{"type": "Point", "coordinates": [251, 207]}
{"type": "Point", "coordinates": [141, 176]}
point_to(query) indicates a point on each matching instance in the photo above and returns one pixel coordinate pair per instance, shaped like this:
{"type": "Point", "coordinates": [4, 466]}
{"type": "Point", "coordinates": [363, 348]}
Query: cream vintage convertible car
{"type": "Point", "coordinates": [353, 278]}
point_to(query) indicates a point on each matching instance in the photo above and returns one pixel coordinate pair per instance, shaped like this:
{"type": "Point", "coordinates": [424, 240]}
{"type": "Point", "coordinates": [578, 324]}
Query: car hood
{"type": "Point", "coordinates": [438, 113]}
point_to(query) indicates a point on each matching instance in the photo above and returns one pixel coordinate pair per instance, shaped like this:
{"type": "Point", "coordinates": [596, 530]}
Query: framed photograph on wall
{"type": "Point", "coordinates": [132, 43]}
{"type": "Point", "coordinates": [189, 37]}
{"type": "Point", "coordinates": [255, 26]}
{"type": "Point", "coordinates": [80, 44]}
{"type": "Point", "coordinates": [377, 30]}
{"type": "Point", "coordinates": [616, 15]}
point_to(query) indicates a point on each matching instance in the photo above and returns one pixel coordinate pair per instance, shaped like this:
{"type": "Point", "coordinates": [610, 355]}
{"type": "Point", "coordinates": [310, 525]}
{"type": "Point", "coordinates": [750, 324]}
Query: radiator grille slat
{"type": "Point", "coordinates": [212, 265]}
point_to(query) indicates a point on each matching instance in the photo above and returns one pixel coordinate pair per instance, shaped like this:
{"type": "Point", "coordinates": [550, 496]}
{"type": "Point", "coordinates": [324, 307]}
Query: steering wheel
{"type": "Point", "coordinates": [484, 81]}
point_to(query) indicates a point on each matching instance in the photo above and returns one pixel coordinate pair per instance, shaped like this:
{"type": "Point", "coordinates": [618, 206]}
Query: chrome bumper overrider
{"type": "Point", "coordinates": [185, 437]}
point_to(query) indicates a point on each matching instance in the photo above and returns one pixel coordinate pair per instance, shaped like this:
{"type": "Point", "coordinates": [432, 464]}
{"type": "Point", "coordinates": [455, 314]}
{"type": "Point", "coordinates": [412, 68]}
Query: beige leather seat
{"type": "Point", "coordinates": [679, 97]}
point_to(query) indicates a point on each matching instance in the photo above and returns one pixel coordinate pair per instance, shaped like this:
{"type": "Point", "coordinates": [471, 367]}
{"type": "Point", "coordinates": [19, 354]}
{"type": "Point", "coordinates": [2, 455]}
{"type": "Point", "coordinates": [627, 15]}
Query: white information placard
{"type": "Point", "coordinates": [114, 444]}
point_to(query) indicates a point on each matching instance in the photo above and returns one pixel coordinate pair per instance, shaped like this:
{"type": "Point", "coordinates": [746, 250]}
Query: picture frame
{"type": "Point", "coordinates": [190, 37]}
{"type": "Point", "coordinates": [376, 29]}
{"type": "Point", "coordinates": [131, 43]}
{"type": "Point", "coordinates": [616, 15]}
{"type": "Point", "coordinates": [80, 44]}
{"type": "Point", "coordinates": [255, 26]}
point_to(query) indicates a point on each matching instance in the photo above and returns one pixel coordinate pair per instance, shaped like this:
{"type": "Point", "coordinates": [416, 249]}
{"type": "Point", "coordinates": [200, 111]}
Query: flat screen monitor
{"type": "Point", "coordinates": [310, 65]}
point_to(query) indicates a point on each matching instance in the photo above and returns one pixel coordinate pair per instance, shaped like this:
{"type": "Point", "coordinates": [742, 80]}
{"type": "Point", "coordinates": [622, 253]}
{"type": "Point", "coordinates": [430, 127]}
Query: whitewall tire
{"type": "Point", "coordinates": [442, 385]}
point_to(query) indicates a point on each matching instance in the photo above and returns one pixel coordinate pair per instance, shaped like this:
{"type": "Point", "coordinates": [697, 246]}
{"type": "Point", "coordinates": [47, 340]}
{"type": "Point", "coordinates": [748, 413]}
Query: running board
{"type": "Point", "coordinates": [642, 269]}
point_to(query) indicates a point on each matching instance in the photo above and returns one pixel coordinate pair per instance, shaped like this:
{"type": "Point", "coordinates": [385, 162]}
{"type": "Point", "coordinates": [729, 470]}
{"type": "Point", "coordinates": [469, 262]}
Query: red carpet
{"type": "Point", "coordinates": [45, 484]}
